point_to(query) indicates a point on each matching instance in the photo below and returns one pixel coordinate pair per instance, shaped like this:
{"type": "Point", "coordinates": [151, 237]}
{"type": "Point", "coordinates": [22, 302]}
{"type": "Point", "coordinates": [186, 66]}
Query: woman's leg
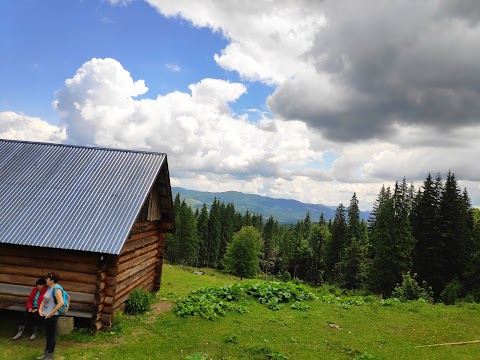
{"type": "Point", "coordinates": [36, 319]}
{"type": "Point", "coordinates": [51, 332]}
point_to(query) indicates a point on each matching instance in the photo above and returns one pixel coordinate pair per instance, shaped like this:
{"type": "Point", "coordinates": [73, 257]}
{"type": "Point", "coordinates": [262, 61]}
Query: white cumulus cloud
{"type": "Point", "coordinates": [15, 126]}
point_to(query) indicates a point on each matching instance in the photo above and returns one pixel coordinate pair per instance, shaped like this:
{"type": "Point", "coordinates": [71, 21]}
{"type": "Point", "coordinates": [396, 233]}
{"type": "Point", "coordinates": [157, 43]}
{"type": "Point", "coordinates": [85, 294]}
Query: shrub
{"type": "Point", "coordinates": [452, 292]}
{"type": "Point", "coordinates": [138, 302]}
{"type": "Point", "coordinates": [286, 276]}
{"type": "Point", "coordinates": [390, 302]}
{"type": "Point", "coordinates": [118, 322]}
{"type": "Point", "coordinates": [210, 303]}
{"type": "Point", "coordinates": [411, 290]}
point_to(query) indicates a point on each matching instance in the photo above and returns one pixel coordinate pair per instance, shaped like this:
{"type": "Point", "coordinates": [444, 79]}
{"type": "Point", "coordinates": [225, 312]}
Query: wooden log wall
{"type": "Point", "coordinates": [98, 284]}
{"type": "Point", "coordinates": [22, 266]}
{"type": "Point", "coordinates": [137, 266]}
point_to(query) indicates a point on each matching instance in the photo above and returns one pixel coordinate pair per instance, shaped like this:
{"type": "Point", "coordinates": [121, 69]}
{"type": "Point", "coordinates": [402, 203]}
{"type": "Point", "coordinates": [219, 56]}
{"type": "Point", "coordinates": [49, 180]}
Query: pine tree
{"type": "Point", "coordinates": [307, 225]}
{"type": "Point", "coordinates": [171, 247]}
{"type": "Point", "coordinates": [202, 232]}
{"type": "Point", "coordinates": [269, 245]}
{"type": "Point", "coordinates": [257, 222]}
{"type": "Point", "coordinates": [425, 230]}
{"type": "Point", "coordinates": [393, 242]}
{"type": "Point", "coordinates": [455, 235]}
{"type": "Point", "coordinates": [403, 235]}
{"type": "Point", "coordinates": [319, 236]}
{"type": "Point", "coordinates": [472, 274]}
{"type": "Point", "coordinates": [286, 248]}
{"type": "Point", "coordinates": [227, 223]}
{"type": "Point", "coordinates": [383, 196]}
{"type": "Point", "coordinates": [382, 276]}
{"type": "Point", "coordinates": [335, 246]}
{"type": "Point", "coordinates": [186, 235]}
{"type": "Point", "coordinates": [214, 235]}
{"type": "Point", "coordinates": [353, 258]}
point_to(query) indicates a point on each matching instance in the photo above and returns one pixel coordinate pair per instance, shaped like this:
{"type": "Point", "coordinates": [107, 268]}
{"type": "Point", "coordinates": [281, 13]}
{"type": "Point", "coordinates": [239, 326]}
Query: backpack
{"type": "Point", "coordinates": [66, 303]}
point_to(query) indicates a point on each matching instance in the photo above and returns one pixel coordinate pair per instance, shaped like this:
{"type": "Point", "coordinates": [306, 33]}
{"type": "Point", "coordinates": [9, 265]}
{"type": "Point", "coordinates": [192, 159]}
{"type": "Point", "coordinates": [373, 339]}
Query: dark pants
{"type": "Point", "coordinates": [51, 333]}
{"type": "Point", "coordinates": [30, 318]}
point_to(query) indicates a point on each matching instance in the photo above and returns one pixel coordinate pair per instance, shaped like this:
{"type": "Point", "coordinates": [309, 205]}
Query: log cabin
{"type": "Point", "coordinates": [96, 216]}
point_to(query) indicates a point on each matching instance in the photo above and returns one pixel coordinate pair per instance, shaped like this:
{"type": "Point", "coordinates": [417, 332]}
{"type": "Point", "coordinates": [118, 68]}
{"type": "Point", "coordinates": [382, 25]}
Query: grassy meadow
{"type": "Point", "coordinates": [332, 328]}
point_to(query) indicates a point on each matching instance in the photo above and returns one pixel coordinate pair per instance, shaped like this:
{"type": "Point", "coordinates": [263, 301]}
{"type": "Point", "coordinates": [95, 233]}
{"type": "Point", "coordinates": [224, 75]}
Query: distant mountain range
{"type": "Point", "coordinates": [283, 210]}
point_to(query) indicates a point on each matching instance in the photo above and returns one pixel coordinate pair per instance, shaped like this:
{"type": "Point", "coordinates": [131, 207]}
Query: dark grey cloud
{"type": "Point", "coordinates": [378, 64]}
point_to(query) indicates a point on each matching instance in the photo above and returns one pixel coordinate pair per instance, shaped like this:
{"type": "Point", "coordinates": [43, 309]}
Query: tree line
{"type": "Point", "coordinates": [433, 232]}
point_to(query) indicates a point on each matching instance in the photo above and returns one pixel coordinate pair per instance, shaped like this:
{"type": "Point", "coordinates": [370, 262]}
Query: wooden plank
{"type": "Point", "coordinates": [143, 235]}
{"type": "Point", "coordinates": [136, 282]}
{"type": "Point", "coordinates": [120, 301]}
{"type": "Point", "coordinates": [101, 276]}
{"type": "Point", "coordinates": [30, 281]}
{"type": "Point", "coordinates": [72, 256]}
{"type": "Point", "coordinates": [142, 227]}
{"type": "Point", "coordinates": [107, 319]}
{"type": "Point", "coordinates": [137, 244]}
{"type": "Point", "coordinates": [134, 276]}
{"type": "Point", "coordinates": [100, 287]}
{"type": "Point", "coordinates": [72, 313]}
{"type": "Point", "coordinates": [129, 272]}
{"type": "Point", "coordinates": [136, 261]}
{"type": "Point", "coordinates": [110, 291]}
{"type": "Point", "coordinates": [108, 300]}
{"type": "Point", "coordinates": [110, 281]}
{"type": "Point", "coordinates": [20, 290]}
{"type": "Point", "coordinates": [4, 303]}
{"type": "Point", "coordinates": [36, 273]}
{"type": "Point", "coordinates": [47, 265]}
{"type": "Point", "coordinates": [451, 343]}
{"type": "Point", "coordinates": [111, 270]}
{"type": "Point", "coordinates": [133, 254]}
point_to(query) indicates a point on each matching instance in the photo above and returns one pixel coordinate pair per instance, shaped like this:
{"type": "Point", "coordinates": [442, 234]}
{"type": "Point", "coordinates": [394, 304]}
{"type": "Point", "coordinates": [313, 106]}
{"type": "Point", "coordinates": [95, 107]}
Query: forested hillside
{"type": "Point", "coordinates": [285, 211]}
{"type": "Point", "coordinates": [431, 231]}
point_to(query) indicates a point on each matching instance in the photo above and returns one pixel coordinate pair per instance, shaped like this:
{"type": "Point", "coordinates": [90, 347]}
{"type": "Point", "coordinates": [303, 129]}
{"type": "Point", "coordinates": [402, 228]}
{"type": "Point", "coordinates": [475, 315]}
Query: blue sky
{"type": "Point", "coordinates": [41, 46]}
{"type": "Point", "coordinates": [306, 100]}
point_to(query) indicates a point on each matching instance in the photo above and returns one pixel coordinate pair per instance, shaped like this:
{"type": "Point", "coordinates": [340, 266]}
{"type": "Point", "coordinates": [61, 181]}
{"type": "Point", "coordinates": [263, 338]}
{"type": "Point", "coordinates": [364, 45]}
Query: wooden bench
{"type": "Point", "coordinates": [5, 304]}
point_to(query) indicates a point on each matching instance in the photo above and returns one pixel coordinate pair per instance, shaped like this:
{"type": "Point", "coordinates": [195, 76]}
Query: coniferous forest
{"type": "Point", "coordinates": [430, 234]}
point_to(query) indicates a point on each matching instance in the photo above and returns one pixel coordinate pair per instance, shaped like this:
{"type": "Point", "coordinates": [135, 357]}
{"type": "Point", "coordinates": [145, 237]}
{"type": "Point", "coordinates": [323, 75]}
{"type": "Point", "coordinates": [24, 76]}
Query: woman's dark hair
{"type": "Point", "coordinates": [53, 276]}
{"type": "Point", "coordinates": [41, 282]}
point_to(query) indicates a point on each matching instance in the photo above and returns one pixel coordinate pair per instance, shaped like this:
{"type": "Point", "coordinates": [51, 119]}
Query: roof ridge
{"type": "Point", "coordinates": [83, 146]}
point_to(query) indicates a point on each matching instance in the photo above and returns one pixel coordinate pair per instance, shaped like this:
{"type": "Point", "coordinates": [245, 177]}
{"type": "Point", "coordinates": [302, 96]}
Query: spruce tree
{"type": "Point", "coordinates": [202, 233]}
{"type": "Point", "coordinates": [269, 245]}
{"type": "Point", "coordinates": [214, 235]}
{"type": "Point", "coordinates": [392, 241]}
{"type": "Point", "coordinates": [424, 219]}
{"type": "Point", "coordinates": [186, 235]}
{"type": "Point", "coordinates": [455, 235]}
{"type": "Point", "coordinates": [319, 236]}
{"type": "Point", "coordinates": [227, 223]}
{"type": "Point", "coordinates": [335, 246]}
{"type": "Point", "coordinates": [353, 258]}
{"type": "Point", "coordinates": [382, 276]}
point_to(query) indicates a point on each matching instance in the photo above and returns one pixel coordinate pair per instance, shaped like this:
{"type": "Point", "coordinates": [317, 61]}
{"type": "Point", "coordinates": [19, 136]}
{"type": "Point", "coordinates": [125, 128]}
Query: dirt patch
{"type": "Point", "coordinates": [159, 308]}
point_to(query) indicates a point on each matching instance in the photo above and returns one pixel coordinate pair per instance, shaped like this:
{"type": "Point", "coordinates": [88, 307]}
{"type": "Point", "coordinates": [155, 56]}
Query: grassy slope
{"type": "Point", "coordinates": [386, 332]}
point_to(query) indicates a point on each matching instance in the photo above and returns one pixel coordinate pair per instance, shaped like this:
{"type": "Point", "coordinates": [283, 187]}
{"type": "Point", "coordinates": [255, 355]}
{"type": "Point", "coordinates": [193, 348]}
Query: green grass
{"type": "Point", "coordinates": [367, 331]}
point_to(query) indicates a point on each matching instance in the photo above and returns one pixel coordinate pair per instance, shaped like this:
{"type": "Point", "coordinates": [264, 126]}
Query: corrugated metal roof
{"type": "Point", "coordinates": [72, 197]}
